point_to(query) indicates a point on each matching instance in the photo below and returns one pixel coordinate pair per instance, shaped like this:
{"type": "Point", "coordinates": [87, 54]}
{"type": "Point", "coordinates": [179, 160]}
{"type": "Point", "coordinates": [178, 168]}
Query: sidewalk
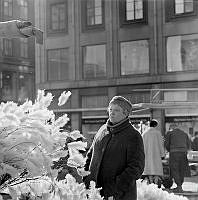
{"type": "Point", "coordinates": [191, 184]}
{"type": "Point", "coordinates": [190, 187]}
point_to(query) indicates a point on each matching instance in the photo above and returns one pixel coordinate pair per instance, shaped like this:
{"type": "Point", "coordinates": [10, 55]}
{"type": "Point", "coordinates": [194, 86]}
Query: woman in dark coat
{"type": "Point", "coordinates": [116, 157]}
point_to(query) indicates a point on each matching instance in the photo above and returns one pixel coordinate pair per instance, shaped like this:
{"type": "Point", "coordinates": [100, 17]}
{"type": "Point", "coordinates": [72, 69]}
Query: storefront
{"type": "Point", "coordinates": [189, 124]}
{"type": "Point", "coordinates": [17, 83]}
{"type": "Point", "coordinates": [90, 126]}
{"type": "Point", "coordinates": [186, 118]}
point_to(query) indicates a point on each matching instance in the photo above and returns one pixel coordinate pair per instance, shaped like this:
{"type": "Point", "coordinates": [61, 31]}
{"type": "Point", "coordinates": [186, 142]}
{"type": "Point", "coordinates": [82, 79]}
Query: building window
{"type": "Point", "coordinates": [23, 4]}
{"type": "Point", "coordinates": [58, 17]}
{"type": "Point", "coordinates": [93, 13]}
{"type": "Point", "coordinates": [24, 87]}
{"type": "Point", "coordinates": [133, 11]}
{"type": "Point", "coordinates": [181, 115]}
{"type": "Point", "coordinates": [180, 8]}
{"type": "Point", "coordinates": [138, 97]}
{"type": "Point", "coordinates": [94, 61]}
{"type": "Point", "coordinates": [7, 47]}
{"type": "Point", "coordinates": [183, 95]}
{"type": "Point", "coordinates": [183, 6]}
{"type": "Point", "coordinates": [58, 64]}
{"type": "Point", "coordinates": [24, 47]}
{"type": "Point", "coordinates": [16, 86]}
{"type": "Point", "coordinates": [8, 86]}
{"type": "Point", "coordinates": [96, 101]}
{"type": "Point", "coordinates": [8, 8]}
{"type": "Point", "coordinates": [182, 53]}
{"type": "Point", "coordinates": [173, 96]}
{"type": "Point", "coordinates": [134, 57]}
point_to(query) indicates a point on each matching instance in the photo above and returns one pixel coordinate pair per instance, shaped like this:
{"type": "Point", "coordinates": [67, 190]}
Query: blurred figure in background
{"type": "Point", "coordinates": [177, 144]}
{"type": "Point", "coordinates": [195, 142]}
{"type": "Point", "coordinates": [154, 152]}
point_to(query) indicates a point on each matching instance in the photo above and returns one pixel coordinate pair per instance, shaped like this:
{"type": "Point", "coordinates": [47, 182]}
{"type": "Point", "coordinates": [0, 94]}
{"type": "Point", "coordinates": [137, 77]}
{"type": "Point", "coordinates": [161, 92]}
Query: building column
{"type": "Point", "coordinates": [158, 114]}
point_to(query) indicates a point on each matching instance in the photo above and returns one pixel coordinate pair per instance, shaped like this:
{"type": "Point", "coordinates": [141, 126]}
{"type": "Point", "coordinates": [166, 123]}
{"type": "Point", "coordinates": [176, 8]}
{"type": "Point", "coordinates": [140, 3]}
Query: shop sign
{"type": "Point", "coordinates": [181, 119]}
{"type": "Point", "coordinates": [138, 120]}
{"type": "Point", "coordinates": [103, 120]}
{"type": "Point", "coordinates": [94, 121]}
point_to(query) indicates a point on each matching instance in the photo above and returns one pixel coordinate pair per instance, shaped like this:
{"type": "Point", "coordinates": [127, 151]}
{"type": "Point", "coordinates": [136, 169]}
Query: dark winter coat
{"type": "Point", "coordinates": [195, 144]}
{"type": "Point", "coordinates": [177, 140]}
{"type": "Point", "coordinates": [116, 160]}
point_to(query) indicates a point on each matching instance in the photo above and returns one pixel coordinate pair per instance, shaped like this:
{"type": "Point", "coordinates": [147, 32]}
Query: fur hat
{"type": "Point", "coordinates": [124, 103]}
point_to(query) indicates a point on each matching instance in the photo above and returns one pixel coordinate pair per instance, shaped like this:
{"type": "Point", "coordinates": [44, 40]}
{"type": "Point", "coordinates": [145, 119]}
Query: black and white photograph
{"type": "Point", "coordinates": [98, 99]}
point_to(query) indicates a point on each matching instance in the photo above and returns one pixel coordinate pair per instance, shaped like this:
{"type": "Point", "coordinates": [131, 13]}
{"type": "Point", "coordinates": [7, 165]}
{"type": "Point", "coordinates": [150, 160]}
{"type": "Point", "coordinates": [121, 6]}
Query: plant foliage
{"type": "Point", "coordinates": [31, 139]}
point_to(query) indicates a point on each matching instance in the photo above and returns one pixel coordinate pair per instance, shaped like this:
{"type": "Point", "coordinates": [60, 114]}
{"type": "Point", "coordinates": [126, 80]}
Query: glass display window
{"type": "Point", "coordinates": [134, 57]}
{"type": "Point", "coordinates": [94, 61]}
{"type": "Point", "coordinates": [182, 53]}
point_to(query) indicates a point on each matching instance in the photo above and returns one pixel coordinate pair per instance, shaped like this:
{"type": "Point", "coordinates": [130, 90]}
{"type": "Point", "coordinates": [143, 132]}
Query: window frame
{"type": "Point", "coordinates": [10, 6]}
{"type": "Point", "coordinates": [50, 4]}
{"type": "Point", "coordinates": [170, 11]}
{"type": "Point", "coordinates": [177, 71]}
{"type": "Point", "coordinates": [15, 82]}
{"type": "Point", "coordinates": [25, 82]}
{"type": "Point", "coordinates": [58, 68]}
{"type": "Point", "coordinates": [83, 73]}
{"type": "Point", "coordinates": [7, 48]}
{"type": "Point", "coordinates": [184, 4]}
{"type": "Point", "coordinates": [24, 48]}
{"type": "Point", "coordinates": [122, 12]}
{"type": "Point", "coordinates": [120, 53]}
{"type": "Point", "coordinates": [85, 26]}
{"type": "Point", "coordinates": [24, 8]}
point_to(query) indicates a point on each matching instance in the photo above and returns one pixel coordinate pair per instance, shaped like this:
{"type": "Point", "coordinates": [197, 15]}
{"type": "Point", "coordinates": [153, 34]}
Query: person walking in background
{"type": "Point", "coordinates": [116, 158]}
{"type": "Point", "coordinates": [195, 142]}
{"type": "Point", "coordinates": [177, 144]}
{"type": "Point", "coordinates": [154, 152]}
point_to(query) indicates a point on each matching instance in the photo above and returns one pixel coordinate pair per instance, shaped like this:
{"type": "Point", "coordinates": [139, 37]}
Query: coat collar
{"type": "Point", "coordinates": [115, 128]}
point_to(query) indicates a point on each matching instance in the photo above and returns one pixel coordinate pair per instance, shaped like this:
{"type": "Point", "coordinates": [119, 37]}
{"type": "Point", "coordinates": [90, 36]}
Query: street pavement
{"type": "Point", "coordinates": [190, 188]}
{"type": "Point", "coordinates": [190, 184]}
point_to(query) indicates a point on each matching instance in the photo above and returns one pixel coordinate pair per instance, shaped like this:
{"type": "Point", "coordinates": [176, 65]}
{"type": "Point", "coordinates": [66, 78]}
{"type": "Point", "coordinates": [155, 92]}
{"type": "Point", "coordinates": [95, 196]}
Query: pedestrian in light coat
{"type": "Point", "coordinates": [154, 152]}
{"type": "Point", "coordinates": [116, 157]}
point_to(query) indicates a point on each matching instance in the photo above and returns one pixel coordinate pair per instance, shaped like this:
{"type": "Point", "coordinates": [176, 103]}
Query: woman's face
{"type": "Point", "coordinates": [116, 113]}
